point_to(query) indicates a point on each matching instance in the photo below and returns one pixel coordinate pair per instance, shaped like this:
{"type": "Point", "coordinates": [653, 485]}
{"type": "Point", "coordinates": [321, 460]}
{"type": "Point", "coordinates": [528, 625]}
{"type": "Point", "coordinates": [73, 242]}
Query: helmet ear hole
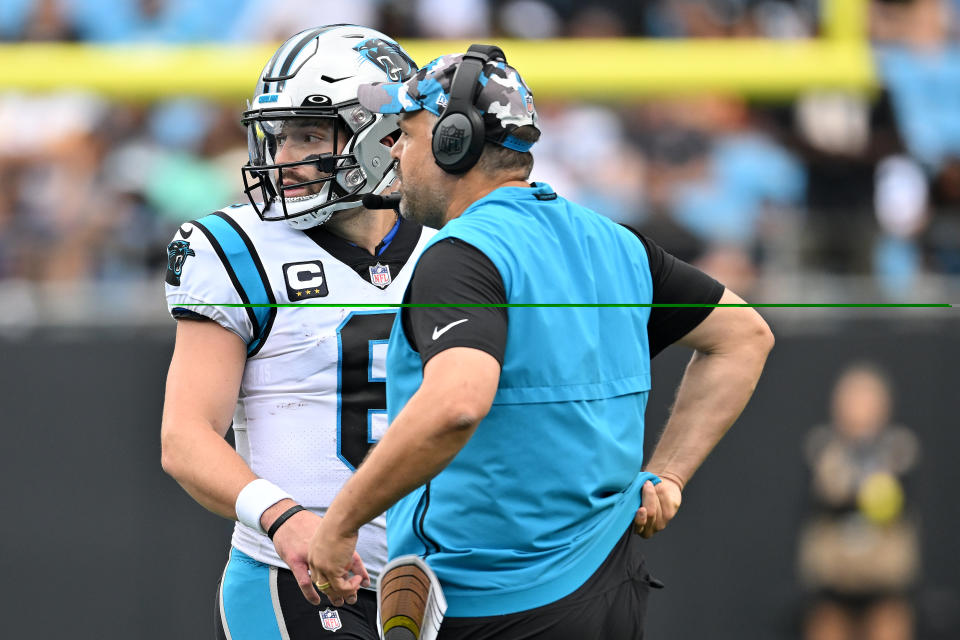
{"type": "Point", "coordinates": [391, 138]}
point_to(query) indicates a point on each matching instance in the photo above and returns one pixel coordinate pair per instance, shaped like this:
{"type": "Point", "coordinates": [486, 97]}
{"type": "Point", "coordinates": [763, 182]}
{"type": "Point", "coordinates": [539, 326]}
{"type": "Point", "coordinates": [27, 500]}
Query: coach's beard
{"type": "Point", "coordinates": [427, 206]}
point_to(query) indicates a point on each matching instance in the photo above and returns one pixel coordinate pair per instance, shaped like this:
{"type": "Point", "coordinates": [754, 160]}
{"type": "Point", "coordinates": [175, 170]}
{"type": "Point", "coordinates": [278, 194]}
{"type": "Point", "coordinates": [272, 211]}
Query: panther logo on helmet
{"type": "Point", "coordinates": [389, 57]}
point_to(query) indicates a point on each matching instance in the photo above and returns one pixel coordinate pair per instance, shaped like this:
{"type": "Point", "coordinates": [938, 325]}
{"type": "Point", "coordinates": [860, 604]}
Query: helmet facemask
{"type": "Point", "coordinates": [332, 152]}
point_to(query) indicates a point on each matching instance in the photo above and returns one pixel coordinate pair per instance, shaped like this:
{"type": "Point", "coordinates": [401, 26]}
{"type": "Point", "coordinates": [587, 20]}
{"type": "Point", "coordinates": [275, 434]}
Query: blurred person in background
{"type": "Point", "coordinates": [941, 240]}
{"type": "Point", "coordinates": [56, 209]}
{"type": "Point", "coordinates": [303, 388]}
{"type": "Point", "coordinates": [720, 192]}
{"type": "Point", "coordinates": [37, 21]}
{"type": "Point", "coordinates": [842, 139]}
{"type": "Point", "coordinates": [117, 21]}
{"type": "Point", "coordinates": [452, 18]}
{"type": "Point", "coordinates": [730, 18]}
{"type": "Point", "coordinates": [859, 551]}
{"type": "Point", "coordinates": [272, 20]}
{"type": "Point", "coordinates": [919, 60]}
{"type": "Point", "coordinates": [617, 189]}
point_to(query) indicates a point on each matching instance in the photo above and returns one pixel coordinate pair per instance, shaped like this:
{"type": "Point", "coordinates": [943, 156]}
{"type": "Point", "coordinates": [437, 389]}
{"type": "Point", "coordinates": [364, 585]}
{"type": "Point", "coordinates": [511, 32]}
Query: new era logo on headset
{"type": "Point", "coordinates": [305, 280]}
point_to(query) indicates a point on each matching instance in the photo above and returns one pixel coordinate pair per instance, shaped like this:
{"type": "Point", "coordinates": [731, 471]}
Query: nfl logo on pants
{"type": "Point", "coordinates": [331, 619]}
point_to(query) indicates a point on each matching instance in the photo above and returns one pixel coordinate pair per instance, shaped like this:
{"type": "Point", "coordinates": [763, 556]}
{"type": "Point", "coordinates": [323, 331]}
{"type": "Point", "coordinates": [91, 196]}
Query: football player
{"type": "Point", "coordinates": [303, 388]}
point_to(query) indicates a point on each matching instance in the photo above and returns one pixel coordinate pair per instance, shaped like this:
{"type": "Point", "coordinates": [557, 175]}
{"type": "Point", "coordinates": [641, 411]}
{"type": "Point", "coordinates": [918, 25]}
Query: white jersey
{"type": "Point", "coordinates": [313, 395]}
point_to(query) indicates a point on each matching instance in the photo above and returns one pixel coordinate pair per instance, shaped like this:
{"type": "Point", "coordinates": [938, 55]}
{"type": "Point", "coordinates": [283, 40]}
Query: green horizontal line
{"type": "Point", "coordinates": [936, 305]}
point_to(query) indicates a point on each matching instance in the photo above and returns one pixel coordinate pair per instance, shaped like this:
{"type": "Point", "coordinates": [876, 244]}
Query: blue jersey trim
{"type": "Point", "coordinates": [247, 604]}
{"type": "Point", "coordinates": [246, 271]}
{"type": "Point", "coordinates": [370, 344]}
{"type": "Point", "coordinates": [387, 239]}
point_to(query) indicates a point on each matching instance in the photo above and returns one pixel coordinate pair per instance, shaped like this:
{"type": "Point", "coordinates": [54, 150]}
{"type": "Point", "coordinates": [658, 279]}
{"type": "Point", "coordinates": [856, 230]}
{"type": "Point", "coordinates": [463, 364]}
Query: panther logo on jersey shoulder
{"type": "Point", "coordinates": [177, 253]}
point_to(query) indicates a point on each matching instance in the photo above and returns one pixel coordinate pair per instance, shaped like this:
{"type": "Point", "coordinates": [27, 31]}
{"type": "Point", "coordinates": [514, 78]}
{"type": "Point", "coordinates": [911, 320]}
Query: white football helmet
{"type": "Point", "coordinates": [313, 78]}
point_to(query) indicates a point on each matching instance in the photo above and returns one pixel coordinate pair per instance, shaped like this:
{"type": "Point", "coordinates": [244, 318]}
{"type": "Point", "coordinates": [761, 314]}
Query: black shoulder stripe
{"type": "Point", "coordinates": [261, 337]}
{"type": "Point", "coordinates": [253, 252]}
{"type": "Point", "coordinates": [251, 282]}
{"type": "Point", "coordinates": [230, 272]}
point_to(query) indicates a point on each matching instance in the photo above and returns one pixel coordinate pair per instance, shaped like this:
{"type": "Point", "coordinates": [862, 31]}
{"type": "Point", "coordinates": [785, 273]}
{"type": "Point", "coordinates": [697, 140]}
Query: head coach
{"type": "Point", "coordinates": [513, 462]}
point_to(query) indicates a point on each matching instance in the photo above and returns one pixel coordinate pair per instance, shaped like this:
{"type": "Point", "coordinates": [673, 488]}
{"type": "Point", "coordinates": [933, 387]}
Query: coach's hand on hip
{"type": "Point", "coordinates": [332, 558]}
{"type": "Point", "coordinates": [659, 504]}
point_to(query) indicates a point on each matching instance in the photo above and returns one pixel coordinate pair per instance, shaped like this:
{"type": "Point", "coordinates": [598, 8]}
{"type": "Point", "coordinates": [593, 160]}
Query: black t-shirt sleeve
{"type": "Point", "coordinates": [675, 282]}
{"type": "Point", "coordinates": [453, 272]}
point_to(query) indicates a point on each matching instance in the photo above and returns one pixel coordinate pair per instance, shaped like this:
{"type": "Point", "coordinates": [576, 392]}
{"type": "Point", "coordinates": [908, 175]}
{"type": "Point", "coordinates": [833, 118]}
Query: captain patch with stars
{"type": "Point", "coordinates": [305, 280]}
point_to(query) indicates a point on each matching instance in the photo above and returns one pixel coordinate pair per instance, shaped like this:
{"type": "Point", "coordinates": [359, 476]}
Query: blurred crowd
{"type": "Point", "coordinates": [830, 183]}
{"type": "Point", "coordinates": [275, 20]}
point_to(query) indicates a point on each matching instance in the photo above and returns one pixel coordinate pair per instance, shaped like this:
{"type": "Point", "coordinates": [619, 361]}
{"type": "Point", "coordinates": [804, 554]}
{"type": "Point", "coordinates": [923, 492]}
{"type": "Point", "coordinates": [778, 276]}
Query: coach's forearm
{"type": "Point", "coordinates": [420, 442]}
{"type": "Point", "coordinates": [458, 388]}
{"type": "Point", "coordinates": [714, 390]}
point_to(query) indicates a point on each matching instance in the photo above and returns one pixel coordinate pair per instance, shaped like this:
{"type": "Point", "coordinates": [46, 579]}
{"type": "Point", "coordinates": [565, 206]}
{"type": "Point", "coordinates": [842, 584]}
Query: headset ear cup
{"type": "Point", "coordinates": [459, 134]}
{"type": "Point", "coordinates": [458, 140]}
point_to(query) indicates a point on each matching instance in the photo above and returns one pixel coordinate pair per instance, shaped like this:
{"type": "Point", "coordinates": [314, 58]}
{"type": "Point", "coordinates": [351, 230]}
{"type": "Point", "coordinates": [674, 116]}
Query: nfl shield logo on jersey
{"type": "Point", "coordinates": [380, 275]}
{"type": "Point", "coordinates": [331, 619]}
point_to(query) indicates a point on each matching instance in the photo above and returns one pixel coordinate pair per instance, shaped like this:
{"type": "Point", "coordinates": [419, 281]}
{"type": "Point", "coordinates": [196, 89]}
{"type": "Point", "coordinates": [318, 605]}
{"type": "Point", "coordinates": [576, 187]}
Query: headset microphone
{"type": "Point", "coordinates": [374, 201]}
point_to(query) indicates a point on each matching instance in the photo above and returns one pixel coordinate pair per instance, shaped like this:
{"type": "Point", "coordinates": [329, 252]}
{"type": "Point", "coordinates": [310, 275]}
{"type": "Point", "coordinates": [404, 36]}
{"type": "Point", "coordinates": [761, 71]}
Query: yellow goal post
{"type": "Point", "coordinates": [600, 69]}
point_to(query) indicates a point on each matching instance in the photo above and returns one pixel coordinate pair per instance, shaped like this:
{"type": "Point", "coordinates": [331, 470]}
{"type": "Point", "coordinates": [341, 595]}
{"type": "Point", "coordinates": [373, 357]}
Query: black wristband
{"type": "Point", "coordinates": [283, 518]}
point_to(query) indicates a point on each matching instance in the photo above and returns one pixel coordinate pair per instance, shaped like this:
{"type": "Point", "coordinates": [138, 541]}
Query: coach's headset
{"type": "Point", "coordinates": [462, 114]}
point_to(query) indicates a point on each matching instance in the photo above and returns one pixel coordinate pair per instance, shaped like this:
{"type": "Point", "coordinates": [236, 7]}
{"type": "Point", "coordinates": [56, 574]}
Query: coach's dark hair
{"type": "Point", "coordinates": [497, 159]}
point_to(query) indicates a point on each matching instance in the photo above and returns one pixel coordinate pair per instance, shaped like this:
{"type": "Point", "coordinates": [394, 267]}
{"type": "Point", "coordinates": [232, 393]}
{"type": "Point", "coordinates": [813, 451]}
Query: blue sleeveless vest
{"type": "Point", "coordinates": [551, 479]}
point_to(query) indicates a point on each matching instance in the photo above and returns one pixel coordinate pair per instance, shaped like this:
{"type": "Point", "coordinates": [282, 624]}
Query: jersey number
{"type": "Point", "coordinates": [361, 385]}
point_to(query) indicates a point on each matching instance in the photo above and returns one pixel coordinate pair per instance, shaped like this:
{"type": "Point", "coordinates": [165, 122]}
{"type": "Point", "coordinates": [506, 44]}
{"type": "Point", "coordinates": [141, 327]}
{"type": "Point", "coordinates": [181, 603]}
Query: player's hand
{"type": "Point", "coordinates": [332, 559]}
{"type": "Point", "coordinates": [292, 541]}
{"type": "Point", "coordinates": [659, 503]}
